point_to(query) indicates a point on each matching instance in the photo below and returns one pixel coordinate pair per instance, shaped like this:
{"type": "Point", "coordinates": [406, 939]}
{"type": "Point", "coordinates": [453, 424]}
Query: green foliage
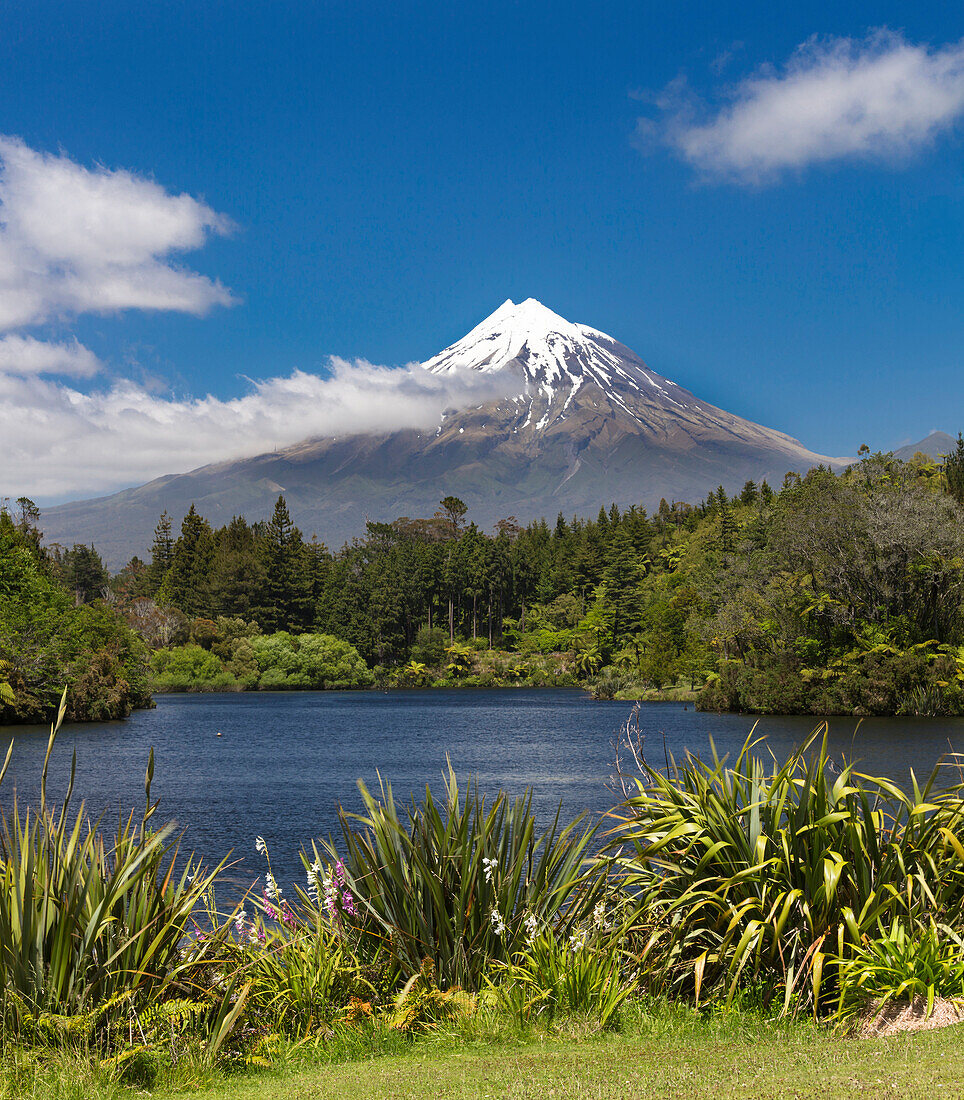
{"type": "Point", "coordinates": [188, 668]}
{"type": "Point", "coordinates": [552, 977]}
{"type": "Point", "coordinates": [46, 641]}
{"type": "Point", "coordinates": [89, 925]}
{"type": "Point", "coordinates": [745, 874]}
{"type": "Point", "coordinates": [421, 1006]}
{"type": "Point", "coordinates": [902, 965]}
{"type": "Point", "coordinates": [429, 646]}
{"type": "Point", "coordinates": [309, 660]}
{"type": "Point", "coordinates": [269, 662]}
{"type": "Point", "coordinates": [456, 880]}
{"type": "Point", "coordinates": [300, 980]}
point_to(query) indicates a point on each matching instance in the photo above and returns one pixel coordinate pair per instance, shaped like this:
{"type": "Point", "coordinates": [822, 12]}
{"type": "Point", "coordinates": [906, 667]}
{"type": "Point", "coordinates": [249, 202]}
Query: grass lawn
{"type": "Point", "coordinates": [666, 1053]}
{"type": "Point", "coordinates": [724, 1058]}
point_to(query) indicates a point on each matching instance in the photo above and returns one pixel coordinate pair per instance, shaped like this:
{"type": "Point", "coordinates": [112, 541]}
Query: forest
{"type": "Point", "coordinates": [835, 593]}
{"type": "Point", "coordinates": [49, 637]}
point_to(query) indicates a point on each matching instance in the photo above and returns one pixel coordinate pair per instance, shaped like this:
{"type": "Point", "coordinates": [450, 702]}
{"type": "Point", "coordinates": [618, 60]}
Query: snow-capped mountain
{"type": "Point", "coordinates": [553, 358]}
{"type": "Point", "coordinates": [581, 422]}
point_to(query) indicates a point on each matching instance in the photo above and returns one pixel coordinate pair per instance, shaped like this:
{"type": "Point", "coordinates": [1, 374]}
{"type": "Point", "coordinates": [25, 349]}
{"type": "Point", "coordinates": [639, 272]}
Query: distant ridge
{"type": "Point", "coordinates": [936, 445]}
{"type": "Point", "coordinates": [583, 423]}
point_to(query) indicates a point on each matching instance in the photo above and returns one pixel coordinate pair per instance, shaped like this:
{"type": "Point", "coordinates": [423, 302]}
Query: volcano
{"type": "Point", "coordinates": [581, 422]}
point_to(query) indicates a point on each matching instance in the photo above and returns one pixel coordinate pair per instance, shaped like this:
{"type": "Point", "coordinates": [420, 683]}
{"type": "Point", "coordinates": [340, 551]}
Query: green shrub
{"type": "Point", "coordinates": [301, 979]}
{"type": "Point", "coordinates": [552, 977]}
{"type": "Point", "coordinates": [747, 874]}
{"type": "Point", "coordinates": [455, 880]}
{"type": "Point", "coordinates": [46, 642]}
{"type": "Point", "coordinates": [187, 667]}
{"type": "Point", "coordinates": [309, 661]}
{"type": "Point", "coordinates": [89, 923]}
{"type": "Point", "coordinates": [429, 646]}
{"type": "Point", "coordinates": [902, 965]}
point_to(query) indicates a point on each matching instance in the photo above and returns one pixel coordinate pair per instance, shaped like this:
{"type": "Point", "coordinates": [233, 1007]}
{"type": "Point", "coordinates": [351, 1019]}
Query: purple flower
{"type": "Point", "coordinates": [348, 903]}
{"type": "Point", "coordinates": [269, 910]}
{"type": "Point", "coordinates": [340, 872]}
{"type": "Point", "coordinates": [288, 917]}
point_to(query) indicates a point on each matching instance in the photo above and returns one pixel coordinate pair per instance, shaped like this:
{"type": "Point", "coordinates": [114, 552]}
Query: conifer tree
{"type": "Point", "coordinates": [621, 578]}
{"type": "Point", "coordinates": [187, 584]}
{"type": "Point", "coordinates": [954, 470]}
{"type": "Point", "coordinates": [285, 600]}
{"type": "Point", "coordinates": [162, 554]}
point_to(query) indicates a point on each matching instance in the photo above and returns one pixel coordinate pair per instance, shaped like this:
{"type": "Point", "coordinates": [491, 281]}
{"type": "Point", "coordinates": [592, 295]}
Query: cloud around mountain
{"type": "Point", "coordinates": [836, 99]}
{"type": "Point", "coordinates": [60, 442]}
{"type": "Point", "coordinates": [77, 240]}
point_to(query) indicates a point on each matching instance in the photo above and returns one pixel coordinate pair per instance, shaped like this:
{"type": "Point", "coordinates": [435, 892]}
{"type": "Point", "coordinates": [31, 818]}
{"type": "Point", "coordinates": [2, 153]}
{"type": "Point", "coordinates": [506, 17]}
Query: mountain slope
{"type": "Point", "coordinates": [583, 422]}
{"type": "Point", "coordinates": [936, 445]}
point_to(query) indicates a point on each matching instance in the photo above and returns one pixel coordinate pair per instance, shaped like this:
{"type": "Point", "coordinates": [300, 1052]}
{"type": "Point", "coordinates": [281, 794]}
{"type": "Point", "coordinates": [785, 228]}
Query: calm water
{"type": "Point", "coordinates": [284, 762]}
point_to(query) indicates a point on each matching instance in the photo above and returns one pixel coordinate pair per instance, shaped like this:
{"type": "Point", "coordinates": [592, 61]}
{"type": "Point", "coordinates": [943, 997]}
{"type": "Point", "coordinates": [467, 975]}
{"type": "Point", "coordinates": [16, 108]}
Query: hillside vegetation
{"type": "Point", "coordinates": [836, 593]}
{"type": "Point", "coordinates": [50, 638]}
{"type": "Point", "coordinates": [833, 594]}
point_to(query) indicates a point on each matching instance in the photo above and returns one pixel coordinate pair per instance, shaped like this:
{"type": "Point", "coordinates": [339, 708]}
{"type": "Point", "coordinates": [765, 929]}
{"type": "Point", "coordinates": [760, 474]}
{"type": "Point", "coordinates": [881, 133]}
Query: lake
{"type": "Point", "coordinates": [285, 761]}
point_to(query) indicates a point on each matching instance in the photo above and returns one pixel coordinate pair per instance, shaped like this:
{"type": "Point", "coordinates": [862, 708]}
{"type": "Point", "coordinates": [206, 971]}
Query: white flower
{"type": "Point", "coordinates": [239, 922]}
{"type": "Point", "coordinates": [599, 915]}
{"type": "Point", "coordinates": [314, 874]}
{"type": "Point", "coordinates": [498, 924]}
{"type": "Point", "coordinates": [532, 927]}
{"type": "Point", "coordinates": [489, 867]}
{"type": "Point", "coordinates": [259, 845]}
{"type": "Point", "coordinates": [577, 941]}
{"type": "Point", "coordinates": [271, 887]}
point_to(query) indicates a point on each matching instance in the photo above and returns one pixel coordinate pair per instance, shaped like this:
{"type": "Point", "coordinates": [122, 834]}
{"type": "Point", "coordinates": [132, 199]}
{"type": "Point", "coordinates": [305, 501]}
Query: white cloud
{"type": "Point", "coordinates": [58, 441]}
{"type": "Point", "coordinates": [76, 240]}
{"type": "Point", "coordinates": [880, 97]}
{"type": "Point", "coordinates": [24, 355]}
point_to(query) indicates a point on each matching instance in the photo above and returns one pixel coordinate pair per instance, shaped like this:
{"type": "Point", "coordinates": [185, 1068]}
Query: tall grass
{"type": "Point", "coordinates": [457, 881]}
{"type": "Point", "coordinates": [89, 922]}
{"type": "Point", "coordinates": [778, 875]}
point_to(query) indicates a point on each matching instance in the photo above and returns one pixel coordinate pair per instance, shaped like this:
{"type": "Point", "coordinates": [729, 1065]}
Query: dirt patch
{"type": "Point", "coordinates": [910, 1016]}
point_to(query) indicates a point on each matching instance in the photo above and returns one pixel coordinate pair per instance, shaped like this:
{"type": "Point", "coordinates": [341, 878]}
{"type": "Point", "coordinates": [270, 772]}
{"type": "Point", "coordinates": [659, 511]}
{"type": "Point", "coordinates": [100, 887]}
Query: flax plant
{"type": "Point", "coordinates": [776, 876]}
{"type": "Point", "coordinates": [456, 881]}
{"type": "Point", "coordinates": [89, 923]}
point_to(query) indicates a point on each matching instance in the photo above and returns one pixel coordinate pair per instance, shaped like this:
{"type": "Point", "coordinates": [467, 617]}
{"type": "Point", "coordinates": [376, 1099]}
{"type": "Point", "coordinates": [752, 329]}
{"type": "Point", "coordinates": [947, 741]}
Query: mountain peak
{"type": "Point", "coordinates": [552, 358]}
{"type": "Point", "coordinates": [522, 332]}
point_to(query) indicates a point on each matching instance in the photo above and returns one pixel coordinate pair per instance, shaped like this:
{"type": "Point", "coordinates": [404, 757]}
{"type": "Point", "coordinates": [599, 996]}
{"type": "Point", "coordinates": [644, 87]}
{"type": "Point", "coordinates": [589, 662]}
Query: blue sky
{"type": "Point", "coordinates": [392, 172]}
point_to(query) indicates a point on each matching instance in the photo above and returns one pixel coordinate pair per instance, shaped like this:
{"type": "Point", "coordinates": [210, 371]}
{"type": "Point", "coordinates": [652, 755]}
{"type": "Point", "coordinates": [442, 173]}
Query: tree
{"type": "Point", "coordinates": [621, 582]}
{"type": "Point", "coordinates": [84, 573]}
{"type": "Point", "coordinates": [285, 601]}
{"type": "Point", "coordinates": [237, 579]}
{"type": "Point", "coordinates": [954, 470]}
{"type": "Point", "coordinates": [453, 511]}
{"type": "Point", "coordinates": [749, 493]}
{"type": "Point", "coordinates": [162, 554]}
{"type": "Point", "coordinates": [187, 584]}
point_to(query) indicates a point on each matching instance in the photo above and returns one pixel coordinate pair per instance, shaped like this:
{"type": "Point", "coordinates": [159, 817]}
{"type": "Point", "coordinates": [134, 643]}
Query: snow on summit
{"type": "Point", "coordinates": [555, 357]}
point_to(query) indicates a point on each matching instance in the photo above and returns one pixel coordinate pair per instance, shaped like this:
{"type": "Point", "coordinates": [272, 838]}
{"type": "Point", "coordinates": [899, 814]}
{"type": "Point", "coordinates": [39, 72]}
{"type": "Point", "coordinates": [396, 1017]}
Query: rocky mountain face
{"type": "Point", "coordinates": [584, 422]}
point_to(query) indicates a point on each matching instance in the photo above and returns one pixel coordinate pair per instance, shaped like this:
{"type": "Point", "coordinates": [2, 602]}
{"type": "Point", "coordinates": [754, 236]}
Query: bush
{"type": "Point", "coordinates": [46, 642]}
{"type": "Point", "coordinates": [309, 661]}
{"type": "Point", "coordinates": [883, 680]}
{"type": "Point", "coordinates": [89, 923]}
{"type": "Point", "coordinates": [187, 668]}
{"type": "Point", "coordinates": [456, 880]}
{"type": "Point", "coordinates": [779, 876]}
{"type": "Point", "coordinates": [552, 977]}
{"type": "Point", "coordinates": [429, 646]}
